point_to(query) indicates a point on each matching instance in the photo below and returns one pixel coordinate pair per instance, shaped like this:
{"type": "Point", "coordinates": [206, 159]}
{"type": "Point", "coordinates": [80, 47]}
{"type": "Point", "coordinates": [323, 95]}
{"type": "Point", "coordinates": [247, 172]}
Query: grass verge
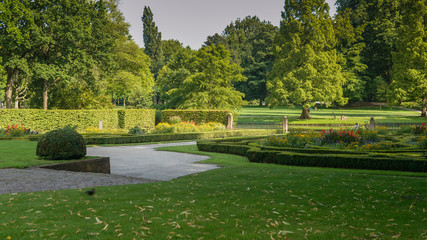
{"type": "Point", "coordinates": [22, 154]}
{"type": "Point", "coordinates": [240, 201]}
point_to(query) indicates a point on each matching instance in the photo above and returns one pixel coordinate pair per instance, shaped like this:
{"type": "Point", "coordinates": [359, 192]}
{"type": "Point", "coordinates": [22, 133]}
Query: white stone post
{"type": "Point", "coordinates": [100, 124]}
{"type": "Point", "coordinates": [230, 121]}
{"type": "Point", "coordinates": [285, 124]}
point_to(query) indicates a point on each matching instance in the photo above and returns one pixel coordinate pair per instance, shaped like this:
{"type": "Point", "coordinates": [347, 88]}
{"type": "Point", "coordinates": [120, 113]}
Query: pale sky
{"type": "Point", "coordinates": [192, 21]}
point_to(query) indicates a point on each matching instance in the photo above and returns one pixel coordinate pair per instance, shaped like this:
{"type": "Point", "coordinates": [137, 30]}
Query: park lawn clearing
{"type": "Point", "coordinates": [362, 115]}
{"type": "Point", "coordinates": [22, 154]}
{"type": "Point", "coordinates": [242, 200]}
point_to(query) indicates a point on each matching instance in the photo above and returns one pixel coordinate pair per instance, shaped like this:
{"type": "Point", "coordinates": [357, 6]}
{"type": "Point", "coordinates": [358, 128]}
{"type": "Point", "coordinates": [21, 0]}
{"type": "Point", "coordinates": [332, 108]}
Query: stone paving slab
{"type": "Point", "coordinates": [129, 165]}
{"type": "Point", "coordinates": [38, 179]}
{"type": "Point", "coordinates": [145, 161]}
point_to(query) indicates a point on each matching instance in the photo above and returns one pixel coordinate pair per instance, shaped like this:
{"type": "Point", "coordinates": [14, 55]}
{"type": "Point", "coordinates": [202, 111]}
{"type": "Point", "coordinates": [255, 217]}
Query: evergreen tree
{"type": "Point", "coordinates": [152, 41]}
{"type": "Point", "coordinates": [305, 69]}
{"type": "Point", "coordinates": [409, 86]}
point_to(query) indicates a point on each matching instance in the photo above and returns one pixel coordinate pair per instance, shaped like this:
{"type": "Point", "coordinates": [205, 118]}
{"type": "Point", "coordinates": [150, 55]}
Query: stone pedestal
{"type": "Point", "coordinates": [230, 121]}
{"type": "Point", "coordinates": [285, 124]}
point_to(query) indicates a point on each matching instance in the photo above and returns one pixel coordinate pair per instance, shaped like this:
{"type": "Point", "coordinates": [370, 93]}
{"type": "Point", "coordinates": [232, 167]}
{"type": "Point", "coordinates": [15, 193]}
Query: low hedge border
{"type": "Point", "coordinates": [338, 161]}
{"type": "Point", "coordinates": [319, 157]}
{"type": "Point", "coordinates": [173, 137]}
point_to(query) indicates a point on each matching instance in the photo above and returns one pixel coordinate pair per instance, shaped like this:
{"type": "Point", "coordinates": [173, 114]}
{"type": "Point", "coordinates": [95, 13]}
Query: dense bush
{"type": "Point", "coordinates": [137, 131]}
{"type": "Point", "coordinates": [420, 128]}
{"type": "Point", "coordinates": [422, 142]}
{"type": "Point", "coordinates": [64, 143]}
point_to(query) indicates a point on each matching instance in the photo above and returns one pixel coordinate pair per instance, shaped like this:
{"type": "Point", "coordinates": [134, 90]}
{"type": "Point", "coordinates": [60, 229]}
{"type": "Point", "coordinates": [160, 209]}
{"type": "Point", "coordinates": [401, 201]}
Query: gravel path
{"type": "Point", "coordinates": [129, 165]}
{"type": "Point", "coordinates": [39, 179]}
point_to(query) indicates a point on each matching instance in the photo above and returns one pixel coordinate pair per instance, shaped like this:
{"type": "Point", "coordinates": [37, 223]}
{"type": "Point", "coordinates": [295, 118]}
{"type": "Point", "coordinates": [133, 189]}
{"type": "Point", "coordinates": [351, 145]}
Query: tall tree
{"type": "Point", "coordinates": [74, 48]}
{"type": "Point", "coordinates": [171, 48]}
{"type": "Point", "coordinates": [409, 86]}
{"type": "Point", "coordinates": [305, 69]}
{"type": "Point", "coordinates": [203, 80]}
{"type": "Point", "coordinates": [16, 26]}
{"type": "Point", "coordinates": [152, 44]}
{"type": "Point", "coordinates": [133, 80]}
{"type": "Point", "coordinates": [250, 42]}
{"type": "Point", "coordinates": [380, 19]}
{"type": "Point", "coordinates": [152, 41]}
{"type": "Point", "coordinates": [349, 47]}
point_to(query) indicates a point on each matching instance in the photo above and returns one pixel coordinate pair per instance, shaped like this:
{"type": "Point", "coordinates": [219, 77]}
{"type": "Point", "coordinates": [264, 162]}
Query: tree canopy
{"type": "Point", "coordinates": [250, 42]}
{"type": "Point", "coordinates": [305, 69]}
{"type": "Point", "coordinates": [202, 79]}
{"type": "Point", "coordinates": [409, 72]}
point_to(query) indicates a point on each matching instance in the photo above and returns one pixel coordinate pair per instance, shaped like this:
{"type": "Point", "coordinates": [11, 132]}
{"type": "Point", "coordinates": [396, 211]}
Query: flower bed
{"type": "Point", "coordinates": [17, 131]}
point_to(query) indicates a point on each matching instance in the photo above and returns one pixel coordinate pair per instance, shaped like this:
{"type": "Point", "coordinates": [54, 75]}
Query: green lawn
{"type": "Point", "coordinates": [325, 116]}
{"type": "Point", "coordinates": [22, 154]}
{"type": "Point", "coordinates": [240, 201]}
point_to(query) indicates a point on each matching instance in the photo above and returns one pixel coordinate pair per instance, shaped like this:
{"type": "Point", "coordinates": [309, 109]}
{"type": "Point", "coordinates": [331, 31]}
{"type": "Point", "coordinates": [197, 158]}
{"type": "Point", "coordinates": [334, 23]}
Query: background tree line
{"type": "Point", "coordinates": [70, 54]}
{"type": "Point", "coordinates": [369, 51]}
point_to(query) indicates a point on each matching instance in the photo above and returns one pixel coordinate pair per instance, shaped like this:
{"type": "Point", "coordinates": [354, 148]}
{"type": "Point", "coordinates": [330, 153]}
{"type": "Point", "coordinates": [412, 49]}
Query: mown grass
{"type": "Point", "coordinates": [22, 154]}
{"type": "Point", "coordinates": [240, 201]}
{"type": "Point", "coordinates": [325, 116]}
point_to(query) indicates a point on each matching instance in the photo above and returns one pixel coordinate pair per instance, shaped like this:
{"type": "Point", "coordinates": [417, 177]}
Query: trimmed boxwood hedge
{"type": "Point", "coordinates": [333, 158]}
{"type": "Point", "coordinates": [48, 120]}
{"type": "Point", "coordinates": [95, 140]}
{"type": "Point", "coordinates": [143, 118]}
{"type": "Point", "coordinates": [199, 116]}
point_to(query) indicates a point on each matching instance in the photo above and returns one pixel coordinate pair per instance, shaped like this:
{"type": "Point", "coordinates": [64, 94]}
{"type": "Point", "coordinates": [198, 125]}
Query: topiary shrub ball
{"type": "Point", "coordinates": [61, 144]}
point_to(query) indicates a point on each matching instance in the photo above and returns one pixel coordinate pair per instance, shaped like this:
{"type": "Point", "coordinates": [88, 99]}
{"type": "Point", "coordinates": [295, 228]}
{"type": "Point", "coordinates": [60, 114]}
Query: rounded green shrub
{"type": "Point", "coordinates": [61, 144]}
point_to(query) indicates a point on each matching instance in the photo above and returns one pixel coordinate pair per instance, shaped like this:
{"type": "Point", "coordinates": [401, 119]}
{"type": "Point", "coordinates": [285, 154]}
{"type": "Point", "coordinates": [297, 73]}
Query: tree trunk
{"type": "Point", "coordinates": [124, 102]}
{"type": "Point", "coordinates": [305, 113]}
{"type": "Point", "coordinates": [16, 104]}
{"type": "Point", "coordinates": [45, 92]}
{"type": "Point", "coordinates": [154, 98]}
{"type": "Point", "coordinates": [260, 102]}
{"type": "Point", "coordinates": [424, 110]}
{"type": "Point", "coordinates": [9, 89]}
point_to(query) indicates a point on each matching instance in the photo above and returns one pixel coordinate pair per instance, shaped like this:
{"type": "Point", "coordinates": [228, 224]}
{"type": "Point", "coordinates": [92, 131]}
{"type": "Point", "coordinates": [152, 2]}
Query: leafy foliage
{"type": "Point", "coordinates": [409, 72]}
{"type": "Point", "coordinates": [305, 69]}
{"type": "Point", "coordinates": [203, 80]}
{"type": "Point", "coordinates": [250, 42]}
{"type": "Point", "coordinates": [152, 41]}
{"type": "Point", "coordinates": [61, 144]}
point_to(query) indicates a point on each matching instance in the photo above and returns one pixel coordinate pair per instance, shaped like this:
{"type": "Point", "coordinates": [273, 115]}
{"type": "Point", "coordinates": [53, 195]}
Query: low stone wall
{"type": "Point", "coordinates": [97, 165]}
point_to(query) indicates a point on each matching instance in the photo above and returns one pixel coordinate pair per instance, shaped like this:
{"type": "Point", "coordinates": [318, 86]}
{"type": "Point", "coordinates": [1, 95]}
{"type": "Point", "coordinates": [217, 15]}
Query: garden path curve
{"type": "Point", "coordinates": [129, 165]}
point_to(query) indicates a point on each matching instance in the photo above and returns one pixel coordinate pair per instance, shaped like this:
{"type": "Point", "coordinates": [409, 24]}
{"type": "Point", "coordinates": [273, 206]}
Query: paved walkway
{"type": "Point", "coordinates": [129, 165]}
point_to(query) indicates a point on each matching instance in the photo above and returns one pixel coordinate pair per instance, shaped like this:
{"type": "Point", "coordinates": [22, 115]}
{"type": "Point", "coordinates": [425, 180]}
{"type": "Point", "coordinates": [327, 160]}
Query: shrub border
{"type": "Point", "coordinates": [339, 159]}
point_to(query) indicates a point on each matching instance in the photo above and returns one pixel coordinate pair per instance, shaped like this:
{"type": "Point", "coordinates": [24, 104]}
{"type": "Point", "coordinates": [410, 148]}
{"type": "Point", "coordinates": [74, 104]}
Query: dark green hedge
{"type": "Point", "coordinates": [338, 161]}
{"type": "Point", "coordinates": [398, 160]}
{"type": "Point", "coordinates": [47, 120]}
{"type": "Point", "coordinates": [172, 136]}
{"type": "Point", "coordinates": [143, 118]}
{"type": "Point", "coordinates": [199, 116]}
